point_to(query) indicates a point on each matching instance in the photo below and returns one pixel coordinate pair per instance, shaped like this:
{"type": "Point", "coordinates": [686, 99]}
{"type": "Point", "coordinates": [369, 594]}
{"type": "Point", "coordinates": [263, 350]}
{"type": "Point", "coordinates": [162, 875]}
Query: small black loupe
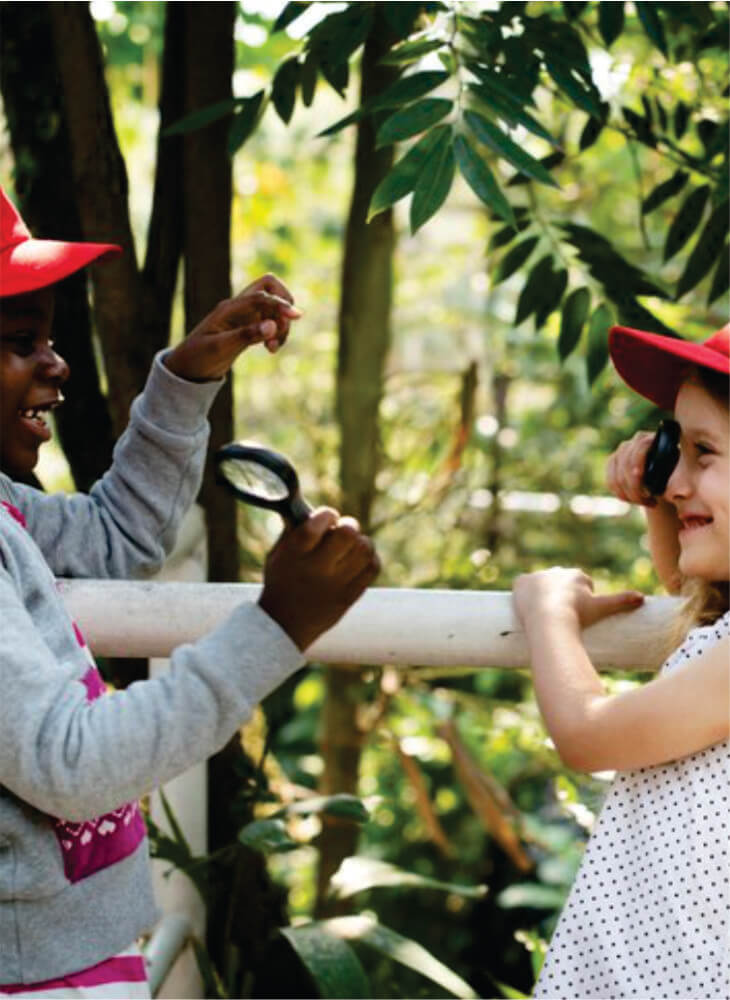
{"type": "Point", "coordinates": [264, 478]}
{"type": "Point", "coordinates": [662, 457]}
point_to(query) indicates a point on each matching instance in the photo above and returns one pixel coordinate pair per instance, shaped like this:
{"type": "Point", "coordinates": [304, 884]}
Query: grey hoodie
{"type": "Point", "coordinates": [74, 875]}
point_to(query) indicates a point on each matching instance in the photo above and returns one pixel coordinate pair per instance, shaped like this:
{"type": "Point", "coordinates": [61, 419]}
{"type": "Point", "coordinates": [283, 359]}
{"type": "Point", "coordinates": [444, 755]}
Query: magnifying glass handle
{"type": "Point", "coordinates": [297, 510]}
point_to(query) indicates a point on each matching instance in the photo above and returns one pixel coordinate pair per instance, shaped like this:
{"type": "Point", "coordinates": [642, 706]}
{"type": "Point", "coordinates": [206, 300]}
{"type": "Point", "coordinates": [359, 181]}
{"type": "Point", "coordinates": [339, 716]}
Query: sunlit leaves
{"type": "Point", "coordinates": [493, 137]}
{"type": "Point", "coordinates": [599, 324]}
{"type": "Point", "coordinates": [413, 120]}
{"type": "Point", "coordinates": [662, 192]}
{"type": "Point", "coordinates": [706, 251]}
{"type": "Point", "coordinates": [573, 317]}
{"type": "Point", "coordinates": [481, 179]}
{"type": "Point", "coordinates": [649, 17]}
{"type": "Point", "coordinates": [401, 180]}
{"type": "Point", "coordinates": [434, 182]}
{"type": "Point", "coordinates": [686, 220]}
{"type": "Point", "coordinates": [515, 258]}
{"type": "Point", "coordinates": [610, 21]}
{"type": "Point", "coordinates": [330, 961]}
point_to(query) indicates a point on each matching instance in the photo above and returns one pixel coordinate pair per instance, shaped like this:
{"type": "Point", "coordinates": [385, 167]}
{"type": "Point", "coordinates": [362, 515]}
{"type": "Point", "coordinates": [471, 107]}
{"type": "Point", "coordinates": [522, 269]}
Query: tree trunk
{"type": "Point", "coordinates": [35, 112]}
{"type": "Point", "coordinates": [100, 180]}
{"type": "Point", "coordinates": [364, 341]}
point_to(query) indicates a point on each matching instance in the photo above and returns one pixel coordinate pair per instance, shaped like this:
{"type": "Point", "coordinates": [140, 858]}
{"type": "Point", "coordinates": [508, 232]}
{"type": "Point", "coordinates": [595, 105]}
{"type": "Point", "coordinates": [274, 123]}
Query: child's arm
{"type": "Point", "coordinates": [671, 717]}
{"type": "Point", "coordinates": [623, 475]}
{"type": "Point", "coordinates": [129, 521]}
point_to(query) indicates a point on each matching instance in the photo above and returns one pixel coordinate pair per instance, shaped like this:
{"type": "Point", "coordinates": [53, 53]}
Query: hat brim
{"type": "Point", "coordinates": [655, 365]}
{"type": "Point", "coordinates": [34, 264]}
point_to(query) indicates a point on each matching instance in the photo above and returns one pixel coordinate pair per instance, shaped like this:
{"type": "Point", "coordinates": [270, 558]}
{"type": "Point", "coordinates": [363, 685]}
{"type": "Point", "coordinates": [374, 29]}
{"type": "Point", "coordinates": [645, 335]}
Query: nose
{"type": "Point", "coordinates": [679, 485]}
{"type": "Point", "coordinates": [55, 367]}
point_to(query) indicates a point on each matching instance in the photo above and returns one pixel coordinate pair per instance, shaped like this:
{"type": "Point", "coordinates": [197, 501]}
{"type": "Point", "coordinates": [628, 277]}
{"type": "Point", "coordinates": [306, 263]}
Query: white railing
{"type": "Point", "coordinates": [439, 629]}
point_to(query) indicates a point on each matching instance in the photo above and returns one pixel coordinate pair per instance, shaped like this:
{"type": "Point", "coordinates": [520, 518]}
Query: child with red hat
{"type": "Point", "coordinates": [648, 913]}
{"type": "Point", "coordinates": [75, 890]}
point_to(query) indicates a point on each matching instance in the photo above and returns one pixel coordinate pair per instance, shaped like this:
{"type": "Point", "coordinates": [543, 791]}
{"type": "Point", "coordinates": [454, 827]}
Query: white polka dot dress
{"type": "Point", "coordinates": [647, 916]}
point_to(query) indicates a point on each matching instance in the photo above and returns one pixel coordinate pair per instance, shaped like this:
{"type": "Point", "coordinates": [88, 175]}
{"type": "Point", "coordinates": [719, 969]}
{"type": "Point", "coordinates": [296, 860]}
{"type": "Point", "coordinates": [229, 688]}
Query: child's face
{"type": "Point", "coordinates": [699, 486]}
{"type": "Point", "coordinates": [31, 376]}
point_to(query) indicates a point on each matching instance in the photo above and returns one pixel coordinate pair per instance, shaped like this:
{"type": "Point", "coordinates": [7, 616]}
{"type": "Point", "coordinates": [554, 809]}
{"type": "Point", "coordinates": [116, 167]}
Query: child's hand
{"type": "Point", "coordinates": [626, 467]}
{"type": "Point", "coordinates": [261, 313]}
{"type": "Point", "coordinates": [566, 595]}
{"type": "Point", "coordinates": [315, 572]}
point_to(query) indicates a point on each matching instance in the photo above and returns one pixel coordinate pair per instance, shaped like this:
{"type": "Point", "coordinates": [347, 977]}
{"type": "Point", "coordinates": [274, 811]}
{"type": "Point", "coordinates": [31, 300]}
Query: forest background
{"type": "Point", "coordinates": [508, 180]}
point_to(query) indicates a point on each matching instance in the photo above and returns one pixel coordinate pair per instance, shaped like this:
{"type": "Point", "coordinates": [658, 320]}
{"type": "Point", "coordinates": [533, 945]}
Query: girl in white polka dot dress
{"type": "Point", "coordinates": [647, 916]}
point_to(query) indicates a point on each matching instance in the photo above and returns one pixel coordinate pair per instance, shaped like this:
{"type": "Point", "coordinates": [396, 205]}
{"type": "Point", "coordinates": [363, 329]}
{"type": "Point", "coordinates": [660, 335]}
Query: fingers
{"type": "Point", "coordinates": [625, 470]}
{"type": "Point", "coordinates": [613, 604]}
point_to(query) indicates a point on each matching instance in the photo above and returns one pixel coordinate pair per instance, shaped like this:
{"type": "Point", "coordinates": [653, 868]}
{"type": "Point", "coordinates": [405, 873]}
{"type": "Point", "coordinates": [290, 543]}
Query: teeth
{"type": "Point", "coordinates": [37, 412]}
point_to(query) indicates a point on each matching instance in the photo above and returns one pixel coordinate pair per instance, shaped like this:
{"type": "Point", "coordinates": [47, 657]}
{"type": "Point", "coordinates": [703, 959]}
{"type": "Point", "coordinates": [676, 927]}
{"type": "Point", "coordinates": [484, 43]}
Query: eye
{"type": "Point", "coordinates": [20, 342]}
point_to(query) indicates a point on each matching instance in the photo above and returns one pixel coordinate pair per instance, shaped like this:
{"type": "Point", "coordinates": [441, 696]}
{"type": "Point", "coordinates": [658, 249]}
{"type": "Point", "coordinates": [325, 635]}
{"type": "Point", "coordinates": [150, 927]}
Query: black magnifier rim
{"type": "Point", "coordinates": [662, 457]}
{"type": "Point", "coordinates": [271, 460]}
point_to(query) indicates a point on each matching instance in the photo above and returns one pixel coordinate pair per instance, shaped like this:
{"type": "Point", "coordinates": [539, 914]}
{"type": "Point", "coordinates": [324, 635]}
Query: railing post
{"type": "Point", "coordinates": [187, 795]}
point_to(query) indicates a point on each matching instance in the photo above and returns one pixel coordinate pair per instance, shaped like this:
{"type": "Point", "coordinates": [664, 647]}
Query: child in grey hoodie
{"type": "Point", "coordinates": [75, 888]}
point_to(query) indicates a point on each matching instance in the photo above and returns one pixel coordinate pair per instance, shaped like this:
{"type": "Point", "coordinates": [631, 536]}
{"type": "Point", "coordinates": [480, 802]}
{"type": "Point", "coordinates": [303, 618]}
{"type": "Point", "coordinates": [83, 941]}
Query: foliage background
{"type": "Point", "coordinates": [493, 450]}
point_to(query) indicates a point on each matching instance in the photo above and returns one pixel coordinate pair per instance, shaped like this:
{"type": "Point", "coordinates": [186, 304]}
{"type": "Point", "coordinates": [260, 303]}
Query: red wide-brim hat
{"type": "Point", "coordinates": [655, 365]}
{"type": "Point", "coordinates": [27, 264]}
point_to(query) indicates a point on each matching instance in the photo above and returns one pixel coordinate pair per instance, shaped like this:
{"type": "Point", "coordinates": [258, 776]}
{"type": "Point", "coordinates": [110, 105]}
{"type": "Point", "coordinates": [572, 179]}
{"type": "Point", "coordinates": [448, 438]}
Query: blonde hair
{"type": "Point", "coordinates": [704, 601]}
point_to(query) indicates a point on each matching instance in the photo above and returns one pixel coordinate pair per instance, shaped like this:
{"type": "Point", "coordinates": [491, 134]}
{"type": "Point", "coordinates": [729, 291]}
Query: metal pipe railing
{"type": "Point", "coordinates": [442, 629]}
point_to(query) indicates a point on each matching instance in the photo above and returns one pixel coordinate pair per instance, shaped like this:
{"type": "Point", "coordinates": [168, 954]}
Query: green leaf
{"type": "Point", "coordinates": [598, 326]}
{"type": "Point", "coordinates": [203, 117]}
{"type": "Point", "coordinates": [640, 126]}
{"type": "Point", "coordinates": [411, 50]}
{"type": "Point", "coordinates": [686, 220]}
{"type": "Point", "coordinates": [284, 88]}
{"type": "Point", "coordinates": [706, 250]}
{"type": "Point", "coordinates": [406, 89]}
{"type": "Point", "coordinates": [575, 311]}
{"type": "Point", "coordinates": [331, 962]}
{"type": "Point", "coordinates": [533, 895]}
{"type": "Point", "coordinates": [308, 79]}
{"type": "Point", "coordinates": [511, 114]}
{"type": "Point", "coordinates": [532, 295]}
{"type": "Point", "coordinates": [267, 835]}
{"type": "Point", "coordinates": [551, 297]}
{"type": "Point", "coordinates": [591, 131]}
{"type": "Point", "coordinates": [481, 179]}
{"type": "Point", "coordinates": [342, 805]}
{"type": "Point", "coordinates": [608, 266]}
{"type": "Point", "coordinates": [583, 94]}
{"type": "Point", "coordinates": [681, 119]}
{"type": "Point", "coordinates": [402, 177]}
{"type": "Point", "coordinates": [510, 992]}
{"type": "Point", "coordinates": [244, 122]}
{"type": "Point", "coordinates": [721, 279]}
{"type": "Point", "coordinates": [290, 13]}
{"type": "Point", "coordinates": [368, 931]}
{"type": "Point", "coordinates": [610, 21]}
{"type": "Point", "coordinates": [515, 258]}
{"type": "Point", "coordinates": [356, 874]}
{"type": "Point", "coordinates": [413, 119]}
{"type": "Point", "coordinates": [649, 18]}
{"type": "Point", "coordinates": [493, 137]}
{"type": "Point", "coordinates": [506, 234]}
{"type": "Point", "coordinates": [434, 182]}
{"type": "Point", "coordinates": [662, 192]}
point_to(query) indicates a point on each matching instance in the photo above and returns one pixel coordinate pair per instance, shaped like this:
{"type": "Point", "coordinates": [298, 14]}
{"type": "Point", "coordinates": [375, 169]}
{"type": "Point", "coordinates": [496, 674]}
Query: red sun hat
{"type": "Point", "coordinates": [655, 365]}
{"type": "Point", "coordinates": [27, 264]}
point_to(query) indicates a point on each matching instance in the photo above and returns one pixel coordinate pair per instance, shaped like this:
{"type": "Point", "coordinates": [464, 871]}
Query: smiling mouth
{"type": "Point", "coordinates": [691, 524]}
{"type": "Point", "coordinates": [37, 414]}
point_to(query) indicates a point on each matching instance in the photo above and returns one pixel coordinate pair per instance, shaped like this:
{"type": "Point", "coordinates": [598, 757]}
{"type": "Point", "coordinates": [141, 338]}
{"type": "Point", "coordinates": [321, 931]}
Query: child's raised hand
{"type": "Point", "coordinates": [566, 595]}
{"type": "Point", "coordinates": [260, 314]}
{"type": "Point", "coordinates": [315, 572]}
{"type": "Point", "coordinates": [625, 469]}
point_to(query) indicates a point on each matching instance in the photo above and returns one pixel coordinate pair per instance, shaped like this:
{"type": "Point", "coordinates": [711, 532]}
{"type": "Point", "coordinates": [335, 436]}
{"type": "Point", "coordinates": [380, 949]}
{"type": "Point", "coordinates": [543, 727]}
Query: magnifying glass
{"type": "Point", "coordinates": [263, 478]}
{"type": "Point", "coordinates": [662, 457]}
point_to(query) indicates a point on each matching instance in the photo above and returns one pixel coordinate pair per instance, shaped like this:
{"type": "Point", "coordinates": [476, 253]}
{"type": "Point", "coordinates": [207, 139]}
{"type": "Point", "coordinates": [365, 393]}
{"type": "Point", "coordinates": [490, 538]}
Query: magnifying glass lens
{"type": "Point", "coordinates": [251, 477]}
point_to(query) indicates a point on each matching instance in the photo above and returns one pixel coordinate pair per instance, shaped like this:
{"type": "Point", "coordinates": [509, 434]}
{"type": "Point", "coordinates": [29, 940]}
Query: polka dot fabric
{"type": "Point", "coordinates": [647, 916]}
